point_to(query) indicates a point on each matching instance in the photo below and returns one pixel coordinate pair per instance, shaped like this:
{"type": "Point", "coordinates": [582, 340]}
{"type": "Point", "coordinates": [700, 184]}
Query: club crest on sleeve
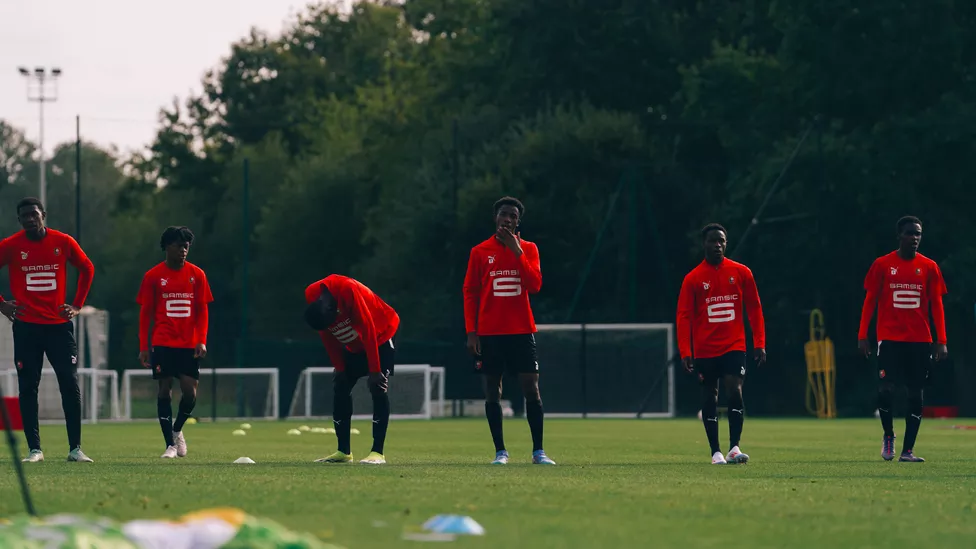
{"type": "Point", "coordinates": [192, 280]}
{"type": "Point", "coordinates": [731, 280]}
{"type": "Point", "coordinates": [894, 271]}
{"type": "Point", "coordinates": [57, 251]}
{"type": "Point", "coordinates": [706, 285]}
{"type": "Point", "coordinates": [918, 271]}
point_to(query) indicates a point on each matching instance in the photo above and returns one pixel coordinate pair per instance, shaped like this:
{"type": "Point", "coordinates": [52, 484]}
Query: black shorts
{"type": "Point", "coordinates": [904, 363]}
{"type": "Point", "coordinates": [507, 354]}
{"type": "Point", "coordinates": [357, 365]}
{"type": "Point", "coordinates": [173, 362]}
{"type": "Point", "coordinates": [33, 341]}
{"type": "Point", "coordinates": [710, 370]}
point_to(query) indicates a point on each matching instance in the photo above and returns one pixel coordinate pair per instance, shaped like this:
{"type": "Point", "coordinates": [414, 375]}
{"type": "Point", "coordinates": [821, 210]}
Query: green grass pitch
{"type": "Point", "coordinates": [619, 483]}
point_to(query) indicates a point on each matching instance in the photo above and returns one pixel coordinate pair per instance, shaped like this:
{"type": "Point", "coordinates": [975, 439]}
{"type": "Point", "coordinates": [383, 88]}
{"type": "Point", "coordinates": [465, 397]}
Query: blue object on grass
{"type": "Point", "coordinates": [454, 524]}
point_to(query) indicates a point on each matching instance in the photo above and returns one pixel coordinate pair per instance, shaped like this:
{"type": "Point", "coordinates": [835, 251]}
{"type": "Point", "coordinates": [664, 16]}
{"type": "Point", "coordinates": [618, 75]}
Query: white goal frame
{"type": "Point", "coordinates": [90, 398]}
{"type": "Point", "coordinates": [433, 396]}
{"type": "Point", "coordinates": [669, 329]}
{"type": "Point", "coordinates": [274, 395]}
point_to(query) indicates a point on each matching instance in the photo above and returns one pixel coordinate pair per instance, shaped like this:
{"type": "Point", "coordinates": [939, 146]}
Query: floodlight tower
{"type": "Point", "coordinates": [42, 87]}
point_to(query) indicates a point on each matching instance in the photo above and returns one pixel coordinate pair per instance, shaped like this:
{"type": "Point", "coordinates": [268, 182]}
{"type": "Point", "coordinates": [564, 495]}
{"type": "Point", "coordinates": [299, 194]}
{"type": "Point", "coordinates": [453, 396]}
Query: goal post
{"type": "Point", "coordinates": [99, 394]}
{"type": "Point", "coordinates": [416, 392]}
{"type": "Point", "coordinates": [607, 370]}
{"type": "Point", "coordinates": [258, 397]}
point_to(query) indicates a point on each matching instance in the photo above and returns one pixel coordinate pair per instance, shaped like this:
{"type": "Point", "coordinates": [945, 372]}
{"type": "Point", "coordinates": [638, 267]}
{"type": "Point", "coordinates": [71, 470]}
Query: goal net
{"type": "Point", "coordinates": [227, 393]}
{"type": "Point", "coordinates": [99, 397]}
{"type": "Point", "coordinates": [607, 370]}
{"type": "Point", "coordinates": [99, 394]}
{"type": "Point", "coordinates": [416, 392]}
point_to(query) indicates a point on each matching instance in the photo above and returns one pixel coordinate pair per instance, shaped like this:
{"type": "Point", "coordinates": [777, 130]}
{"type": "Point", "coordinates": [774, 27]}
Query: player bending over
{"type": "Point", "coordinates": [173, 319]}
{"type": "Point", "coordinates": [358, 330]}
{"type": "Point", "coordinates": [905, 287]}
{"type": "Point", "coordinates": [37, 257]}
{"type": "Point", "coordinates": [502, 272]}
{"type": "Point", "coordinates": [712, 335]}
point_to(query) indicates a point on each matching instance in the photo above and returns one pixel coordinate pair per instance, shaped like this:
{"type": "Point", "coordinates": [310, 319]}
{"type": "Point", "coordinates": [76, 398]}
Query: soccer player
{"type": "Point", "coordinates": [502, 272]}
{"type": "Point", "coordinates": [905, 287]}
{"type": "Point", "coordinates": [37, 257]}
{"type": "Point", "coordinates": [358, 330]}
{"type": "Point", "coordinates": [712, 336]}
{"type": "Point", "coordinates": [174, 300]}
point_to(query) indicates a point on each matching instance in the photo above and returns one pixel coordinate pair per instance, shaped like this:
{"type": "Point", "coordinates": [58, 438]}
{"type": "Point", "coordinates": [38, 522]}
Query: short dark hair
{"type": "Point", "coordinates": [30, 201]}
{"type": "Point", "coordinates": [510, 201]}
{"type": "Point", "coordinates": [713, 227]}
{"type": "Point", "coordinates": [907, 220]}
{"type": "Point", "coordinates": [321, 312]}
{"type": "Point", "coordinates": [175, 234]}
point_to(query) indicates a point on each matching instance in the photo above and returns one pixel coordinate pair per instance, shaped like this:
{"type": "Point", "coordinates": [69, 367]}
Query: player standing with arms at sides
{"type": "Point", "coordinates": [502, 272]}
{"type": "Point", "coordinates": [37, 258]}
{"type": "Point", "coordinates": [358, 330]}
{"type": "Point", "coordinates": [712, 335]}
{"type": "Point", "coordinates": [905, 287]}
{"type": "Point", "coordinates": [174, 300]}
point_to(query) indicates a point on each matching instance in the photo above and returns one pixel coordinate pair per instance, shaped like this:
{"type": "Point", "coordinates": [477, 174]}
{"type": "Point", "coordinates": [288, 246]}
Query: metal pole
{"type": "Point", "coordinates": [78, 178]}
{"type": "Point", "coordinates": [632, 251]}
{"type": "Point", "coordinates": [582, 351]}
{"type": "Point", "coordinates": [12, 442]}
{"type": "Point", "coordinates": [43, 178]}
{"type": "Point", "coordinates": [245, 240]}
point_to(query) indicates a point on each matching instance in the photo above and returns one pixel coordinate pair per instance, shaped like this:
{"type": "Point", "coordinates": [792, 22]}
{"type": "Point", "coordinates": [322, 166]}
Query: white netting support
{"type": "Point", "coordinates": [230, 393]}
{"type": "Point", "coordinates": [607, 370]}
{"type": "Point", "coordinates": [416, 392]}
{"type": "Point", "coordinates": [99, 394]}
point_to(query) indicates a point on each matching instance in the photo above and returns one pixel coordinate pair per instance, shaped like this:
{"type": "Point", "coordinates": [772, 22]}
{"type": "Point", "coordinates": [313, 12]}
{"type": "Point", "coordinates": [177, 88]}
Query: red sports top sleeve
{"type": "Point", "coordinates": [686, 313]}
{"type": "Point", "coordinates": [472, 292]}
{"type": "Point", "coordinates": [532, 268]}
{"type": "Point", "coordinates": [872, 286]}
{"type": "Point", "coordinates": [362, 322]}
{"type": "Point", "coordinates": [753, 307]}
{"type": "Point", "coordinates": [86, 271]}
{"type": "Point", "coordinates": [203, 307]}
{"type": "Point", "coordinates": [147, 302]}
{"type": "Point", "coordinates": [334, 349]}
{"type": "Point", "coordinates": [937, 283]}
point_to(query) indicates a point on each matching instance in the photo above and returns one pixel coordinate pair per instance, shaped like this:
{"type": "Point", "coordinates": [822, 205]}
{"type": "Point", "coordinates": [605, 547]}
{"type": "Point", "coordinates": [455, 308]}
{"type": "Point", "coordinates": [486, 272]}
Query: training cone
{"type": "Point", "coordinates": [238, 433]}
{"type": "Point", "coordinates": [354, 431]}
{"type": "Point", "coordinates": [318, 430]}
{"type": "Point", "coordinates": [245, 425]}
{"type": "Point", "coordinates": [304, 428]}
{"type": "Point", "coordinates": [330, 431]}
{"type": "Point", "coordinates": [243, 460]}
{"type": "Point", "coordinates": [454, 524]}
{"type": "Point", "coordinates": [294, 432]}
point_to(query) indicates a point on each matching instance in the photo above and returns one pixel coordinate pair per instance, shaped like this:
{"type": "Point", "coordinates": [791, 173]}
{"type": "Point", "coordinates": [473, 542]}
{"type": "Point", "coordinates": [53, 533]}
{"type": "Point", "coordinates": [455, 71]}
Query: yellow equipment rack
{"type": "Point", "coordinates": [820, 369]}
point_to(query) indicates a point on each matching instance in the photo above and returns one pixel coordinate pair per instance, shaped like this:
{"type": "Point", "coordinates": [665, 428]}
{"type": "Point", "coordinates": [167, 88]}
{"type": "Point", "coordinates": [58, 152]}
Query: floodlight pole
{"type": "Point", "coordinates": [37, 92]}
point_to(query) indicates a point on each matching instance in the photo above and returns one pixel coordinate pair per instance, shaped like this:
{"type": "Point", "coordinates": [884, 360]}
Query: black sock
{"type": "Point", "coordinates": [710, 421]}
{"type": "Point", "coordinates": [381, 418]}
{"type": "Point", "coordinates": [164, 410]}
{"type": "Point", "coordinates": [187, 402]}
{"type": "Point", "coordinates": [533, 413]}
{"type": "Point", "coordinates": [493, 411]}
{"type": "Point", "coordinates": [913, 419]}
{"type": "Point", "coordinates": [735, 419]}
{"type": "Point", "coordinates": [71, 405]}
{"type": "Point", "coordinates": [341, 416]}
{"type": "Point", "coordinates": [885, 403]}
{"type": "Point", "coordinates": [27, 385]}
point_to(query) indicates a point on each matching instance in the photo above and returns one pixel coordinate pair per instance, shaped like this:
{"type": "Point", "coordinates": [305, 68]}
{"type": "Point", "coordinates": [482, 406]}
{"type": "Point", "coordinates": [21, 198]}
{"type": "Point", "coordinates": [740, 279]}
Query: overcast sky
{"type": "Point", "coordinates": [121, 59]}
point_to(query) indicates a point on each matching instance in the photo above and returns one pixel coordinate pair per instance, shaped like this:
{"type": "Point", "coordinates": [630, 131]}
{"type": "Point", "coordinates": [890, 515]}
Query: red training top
{"type": "Point", "coordinates": [175, 302]}
{"type": "Point", "coordinates": [710, 310]}
{"type": "Point", "coordinates": [497, 286]}
{"type": "Point", "coordinates": [903, 292]}
{"type": "Point", "coordinates": [37, 274]}
{"type": "Point", "coordinates": [364, 321]}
